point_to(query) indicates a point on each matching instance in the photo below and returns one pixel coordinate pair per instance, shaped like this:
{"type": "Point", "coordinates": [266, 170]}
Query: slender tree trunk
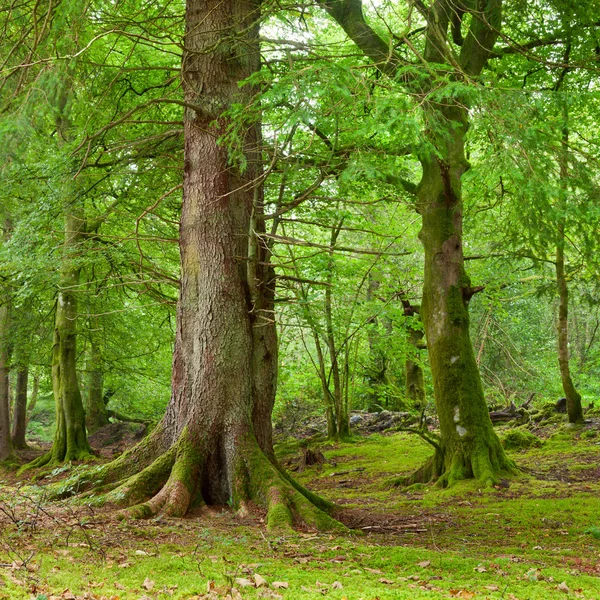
{"type": "Point", "coordinates": [574, 409]}
{"type": "Point", "coordinates": [207, 448]}
{"type": "Point", "coordinates": [34, 396]}
{"type": "Point", "coordinates": [96, 415]}
{"type": "Point", "coordinates": [70, 438]}
{"type": "Point", "coordinates": [377, 374]}
{"type": "Point", "coordinates": [20, 412]}
{"type": "Point", "coordinates": [6, 449]}
{"type": "Point", "coordinates": [415, 383]}
{"type": "Point", "coordinates": [342, 416]}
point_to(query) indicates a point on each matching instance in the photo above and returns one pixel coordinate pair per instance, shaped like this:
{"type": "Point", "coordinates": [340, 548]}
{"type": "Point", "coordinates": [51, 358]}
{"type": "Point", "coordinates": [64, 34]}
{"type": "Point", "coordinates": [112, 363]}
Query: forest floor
{"type": "Point", "coordinates": [534, 537]}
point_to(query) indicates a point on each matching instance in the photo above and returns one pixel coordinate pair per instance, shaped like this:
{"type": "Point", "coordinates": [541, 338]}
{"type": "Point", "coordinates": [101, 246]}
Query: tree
{"type": "Point", "coordinates": [468, 445]}
{"type": "Point", "coordinates": [6, 449]}
{"type": "Point", "coordinates": [214, 443]}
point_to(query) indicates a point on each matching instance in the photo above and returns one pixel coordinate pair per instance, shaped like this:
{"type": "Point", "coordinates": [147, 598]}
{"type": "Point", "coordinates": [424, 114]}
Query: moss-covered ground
{"type": "Point", "coordinates": [535, 536]}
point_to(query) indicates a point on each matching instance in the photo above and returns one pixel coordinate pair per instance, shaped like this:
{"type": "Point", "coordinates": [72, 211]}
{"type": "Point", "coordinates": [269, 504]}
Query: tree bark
{"type": "Point", "coordinates": [213, 446]}
{"type": "Point", "coordinates": [70, 438]}
{"type": "Point", "coordinates": [469, 446]}
{"type": "Point", "coordinates": [20, 412]}
{"type": "Point", "coordinates": [574, 408]}
{"type": "Point", "coordinates": [6, 449]}
{"type": "Point", "coordinates": [96, 415]}
{"type": "Point", "coordinates": [340, 406]}
{"type": "Point", "coordinates": [415, 382]}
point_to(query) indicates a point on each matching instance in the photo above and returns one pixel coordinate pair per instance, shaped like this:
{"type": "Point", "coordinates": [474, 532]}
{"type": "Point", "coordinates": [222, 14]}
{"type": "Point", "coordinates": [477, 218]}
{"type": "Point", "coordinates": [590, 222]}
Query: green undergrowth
{"type": "Point", "coordinates": [533, 537]}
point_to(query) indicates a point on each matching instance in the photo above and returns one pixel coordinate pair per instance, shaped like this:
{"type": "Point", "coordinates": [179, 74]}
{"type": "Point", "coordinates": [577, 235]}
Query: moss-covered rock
{"type": "Point", "coordinates": [520, 439]}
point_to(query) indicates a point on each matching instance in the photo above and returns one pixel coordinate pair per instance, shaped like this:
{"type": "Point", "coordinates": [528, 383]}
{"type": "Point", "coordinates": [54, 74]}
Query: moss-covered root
{"type": "Point", "coordinates": [485, 463]}
{"type": "Point", "coordinates": [171, 481]}
{"type": "Point", "coordinates": [51, 460]}
{"type": "Point", "coordinates": [287, 502]}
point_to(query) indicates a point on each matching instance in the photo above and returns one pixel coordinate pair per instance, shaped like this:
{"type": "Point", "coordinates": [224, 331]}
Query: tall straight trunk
{"type": "Point", "coordinates": [574, 409]}
{"type": "Point", "coordinates": [6, 449]}
{"type": "Point", "coordinates": [415, 382]}
{"type": "Point", "coordinates": [70, 438]}
{"type": "Point", "coordinates": [209, 448]}
{"type": "Point", "coordinates": [377, 374]}
{"type": "Point", "coordinates": [96, 415]}
{"type": "Point", "coordinates": [34, 395]}
{"type": "Point", "coordinates": [342, 416]}
{"type": "Point", "coordinates": [20, 412]}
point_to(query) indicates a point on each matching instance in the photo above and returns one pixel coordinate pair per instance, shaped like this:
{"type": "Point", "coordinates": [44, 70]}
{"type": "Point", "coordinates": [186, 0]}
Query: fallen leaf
{"type": "Point", "coordinates": [243, 583]}
{"type": "Point", "coordinates": [480, 569]}
{"type": "Point", "coordinates": [260, 581]}
{"type": "Point", "coordinates": [492, 588]}
{"type": "Point", "coordinates": [424, 564]}
{"type": "Point", "coordinates": [336, 585]}
{"type": "Point", "coordinates": [386, 581]}
{"type": "Point", "coordinates": [280, 585]}
{"type": "Point", "coordinates": [148, 584]}
{"type": "Point", "coordinates": [463, 594]}
{"type": "Point", "coordinates": [563, 587]}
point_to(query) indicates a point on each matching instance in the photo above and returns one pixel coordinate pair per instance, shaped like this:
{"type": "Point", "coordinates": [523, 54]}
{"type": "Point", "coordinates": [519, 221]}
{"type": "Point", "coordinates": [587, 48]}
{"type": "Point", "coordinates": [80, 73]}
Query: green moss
{"type": "Point", "coordinates": [457, 309]}
{"type": "Point", "coordinates": [520, 439]}
{"type": "Point", "coordinates": [279, 517]}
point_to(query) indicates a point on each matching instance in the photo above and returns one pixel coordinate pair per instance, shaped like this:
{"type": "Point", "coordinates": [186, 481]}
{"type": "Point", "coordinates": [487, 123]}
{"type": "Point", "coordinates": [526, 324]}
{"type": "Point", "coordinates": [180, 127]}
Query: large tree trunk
{"type": "Point", "coordinates": [469, 446]}
{"type": "Point", "coordinates": [574, 409]}
{"type": "Point", "coordinates": [20, 412]}
{"type": "Point", "coordinates": [96, 415]}
{"type": "Point", "coordinates": [213, 445]}
{"type": "Point", "coordinates": [6, 450]}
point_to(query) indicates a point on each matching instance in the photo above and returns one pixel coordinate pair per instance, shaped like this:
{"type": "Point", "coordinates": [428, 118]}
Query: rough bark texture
{"type": "Point", "coordinates": [96, 415]}
{"type": "Point", "coordinates": [469, 446]}
{"type": "Point", "coordinates": [214, 445]}
{"type": "Point", "coordinates": [20, 412]}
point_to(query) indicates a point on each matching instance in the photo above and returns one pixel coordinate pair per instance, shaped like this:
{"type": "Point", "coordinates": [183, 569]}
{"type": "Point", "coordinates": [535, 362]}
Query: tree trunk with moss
{"type": "Point", "coordinates": [20, 411]}
{"type": "Point", "coordinates": [213, 445]}
{"type": "Point", "coordinates": [574, 408]}
{"type": "Point", "coordinates": [6, 449]}
{"type": "Point", "coordinates": [415, 382]}
{"type": "Point", "coordinates": [468, 445]}
{"type": "Point", "coordinates": [70, 438]}
{"type": "Point", "coordinates": [96, 415]}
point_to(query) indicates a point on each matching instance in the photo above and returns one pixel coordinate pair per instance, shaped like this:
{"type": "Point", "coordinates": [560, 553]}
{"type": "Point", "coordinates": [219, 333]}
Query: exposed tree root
{"type": "Point", "coordinates": [50, 460]}
{"type": "Point", "coordinates": [180, 479]}
{"type": "Point", "coordinates": [483, 462]}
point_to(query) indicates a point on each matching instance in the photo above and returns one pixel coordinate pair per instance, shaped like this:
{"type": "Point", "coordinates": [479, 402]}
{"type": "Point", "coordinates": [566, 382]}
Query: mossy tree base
{"type": "Point", "coordinates": [482, 460]}
{"type": "Point", "coordinates": [186, 477]}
